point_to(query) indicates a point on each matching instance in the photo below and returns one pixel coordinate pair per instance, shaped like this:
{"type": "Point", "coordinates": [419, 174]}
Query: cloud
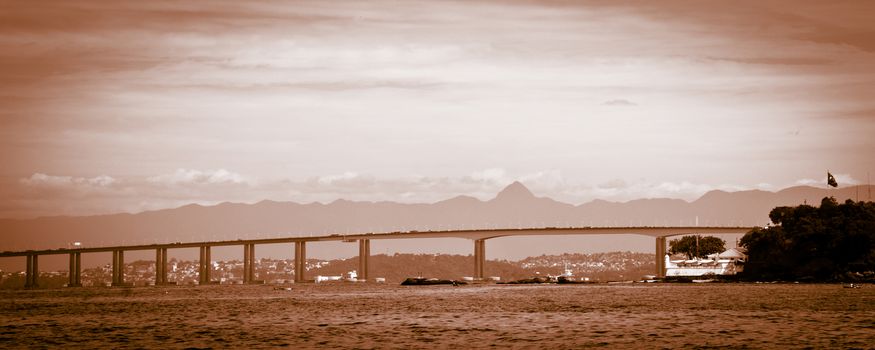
{"type": "Point", "coordinates": [490, 176]}
{"type": "Point", "coordinates": [347, 180]}
{"type": "Point", "coordinates": [547, 181]}
{"type": "Point", "coordinates": [197, 177]}
{"type": "Point", "coordinates": [765, 186]}
{"type": "Point", "coordinates": [789, 61]}
{"type": "Point", "coordinates": [613, 184]}
{"type": "Point", "coordinates": [47, 195]}
{"type": "Point", "coordinates": [97, 75]}
{"type": "Point", "coordinates": [619, 102]}
{"type": "Point", "coordinates": [43, 194]}
{"type": "Point", "coordinates": [40, 180]}
{"type": "Point", "coordinates": [621, 190]}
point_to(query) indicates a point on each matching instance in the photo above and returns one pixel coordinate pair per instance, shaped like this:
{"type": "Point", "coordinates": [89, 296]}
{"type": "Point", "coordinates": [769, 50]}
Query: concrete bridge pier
{"type": "Point", "coordinates": [249, 263]}
{"type": "Point", "coordinates": [246, 262]}
{"type": "Point", "coordinates": [158, 273]}
{"type": "Point", "coordinates": [75, 270]}
{"type": "Point", "coordinates": [160, 266]}
{"type": "Point", "coordinates": [205, 266]}
{"type": "Point", "coordinates": [364, 255]}
{"type": "Point", "coordinates": [252, 263]}
{"type": "Point", "coordinates": [479, 259]}
{"type": "Point", "coordinates": [660, 257]}
{"type": "Point", "coordinates": [31, 276]}
{"type": "Point", "coordinates": [300, 261]}
{"type": "Point", "coordinates": [118, 268]}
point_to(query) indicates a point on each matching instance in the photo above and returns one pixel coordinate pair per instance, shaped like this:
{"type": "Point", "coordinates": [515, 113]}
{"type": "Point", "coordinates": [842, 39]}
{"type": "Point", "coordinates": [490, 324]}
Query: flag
{"type": "Point", "coordinates": [830, 180]}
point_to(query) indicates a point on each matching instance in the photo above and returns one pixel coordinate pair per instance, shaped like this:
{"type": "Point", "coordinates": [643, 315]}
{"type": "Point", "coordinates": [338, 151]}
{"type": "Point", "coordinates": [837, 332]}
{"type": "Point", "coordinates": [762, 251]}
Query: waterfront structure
{"type": "Point", "coordinates": [351, 276]}
{"type": "Point", "coordinates": [725, 263]}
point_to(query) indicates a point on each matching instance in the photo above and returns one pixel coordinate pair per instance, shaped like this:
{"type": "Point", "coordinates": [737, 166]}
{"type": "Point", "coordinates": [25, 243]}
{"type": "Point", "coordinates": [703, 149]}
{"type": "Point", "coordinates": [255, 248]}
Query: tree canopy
{"type": "Point", "coordinates": [831, 242]}
{"type": "Point", "coordinates": [687, 245]}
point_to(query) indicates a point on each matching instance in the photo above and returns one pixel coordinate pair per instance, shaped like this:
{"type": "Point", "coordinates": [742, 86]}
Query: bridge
{"type": "Point", "coordinates": [478, 236]}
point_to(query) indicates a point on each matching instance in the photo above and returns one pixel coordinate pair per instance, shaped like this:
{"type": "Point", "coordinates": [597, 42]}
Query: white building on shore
{"type": "Point", "coordinates": [351, 276]}
{"type": "Point", "coordinates": [725, 263]}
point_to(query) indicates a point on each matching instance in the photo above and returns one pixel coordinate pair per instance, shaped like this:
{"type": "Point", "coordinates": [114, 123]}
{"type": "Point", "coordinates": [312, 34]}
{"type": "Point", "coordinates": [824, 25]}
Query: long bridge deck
{"type": "Point", "coordinates": [478, 236]}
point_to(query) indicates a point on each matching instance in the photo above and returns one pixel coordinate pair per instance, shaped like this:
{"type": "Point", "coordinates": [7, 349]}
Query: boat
{"type": "Point", "coordinates": [533, 280]}
{"type": "Point", "coordinates": [421, 281]}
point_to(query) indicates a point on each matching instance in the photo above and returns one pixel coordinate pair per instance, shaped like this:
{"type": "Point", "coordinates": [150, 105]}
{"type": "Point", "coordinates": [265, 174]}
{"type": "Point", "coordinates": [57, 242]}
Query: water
{"type": "Point", "coordinates": [391, 316]}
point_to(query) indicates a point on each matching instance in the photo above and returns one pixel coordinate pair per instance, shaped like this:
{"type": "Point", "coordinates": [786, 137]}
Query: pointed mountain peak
{"type": "Point", "coordinates": [514, 191]}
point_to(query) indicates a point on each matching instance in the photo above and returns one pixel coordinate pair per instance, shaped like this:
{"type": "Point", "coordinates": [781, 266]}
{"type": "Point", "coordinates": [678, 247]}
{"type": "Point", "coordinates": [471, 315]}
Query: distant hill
{"type": "Point", "coordinates": [515, 206]}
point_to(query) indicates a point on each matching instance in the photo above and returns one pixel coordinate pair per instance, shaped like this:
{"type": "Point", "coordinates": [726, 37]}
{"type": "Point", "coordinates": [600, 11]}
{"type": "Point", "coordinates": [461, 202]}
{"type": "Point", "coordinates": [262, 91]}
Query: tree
{"type": "Point", "coordinates": [688, 246]}
{"type": "Point", "coordinates": [829, 242]}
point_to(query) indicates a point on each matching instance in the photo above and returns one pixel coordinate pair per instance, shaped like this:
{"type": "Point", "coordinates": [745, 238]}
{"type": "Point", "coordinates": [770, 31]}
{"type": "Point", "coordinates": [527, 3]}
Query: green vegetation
{"type": "Point", "coordinates": [832, 242]}
{"type": "Point", "coordinates": [689, 246]}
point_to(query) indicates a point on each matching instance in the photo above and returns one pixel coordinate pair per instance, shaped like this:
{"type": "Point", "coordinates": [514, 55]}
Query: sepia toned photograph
{"type": "Point", "coordinates": [413, 174]}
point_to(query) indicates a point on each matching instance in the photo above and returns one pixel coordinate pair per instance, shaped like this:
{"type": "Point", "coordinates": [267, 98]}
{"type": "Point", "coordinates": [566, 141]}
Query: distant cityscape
{"type": "Point", "coordinates": [142, 272]}
{"type": "Point", "coordinates": [392, 268]}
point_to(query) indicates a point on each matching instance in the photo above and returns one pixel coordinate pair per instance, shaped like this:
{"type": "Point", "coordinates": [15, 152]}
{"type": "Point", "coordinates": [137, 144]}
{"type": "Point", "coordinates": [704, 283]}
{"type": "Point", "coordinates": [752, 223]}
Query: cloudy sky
{"type": "Point", "coordinates": [129, 106]}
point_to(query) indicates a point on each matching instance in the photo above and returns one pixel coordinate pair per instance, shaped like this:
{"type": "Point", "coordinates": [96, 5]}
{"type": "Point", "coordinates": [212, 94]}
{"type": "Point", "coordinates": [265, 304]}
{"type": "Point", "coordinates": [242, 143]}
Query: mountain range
{"type": "Point", "coordinates": [514, 207]}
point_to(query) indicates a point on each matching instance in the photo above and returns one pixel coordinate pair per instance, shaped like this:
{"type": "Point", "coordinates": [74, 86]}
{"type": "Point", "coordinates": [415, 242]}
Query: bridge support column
{"type": "Point", "coordinates": [164, 266]}
{"type": "Point", "coordinates": [300, 261]}
{"type": "Point", "coordinates": [114, 267]}
{"type": "Point", "coordinates": [252, 263]}
{"type": "Point", "coordinates": [364, 255]}
{"type": "Point", "coordinates": [75, 270]}
{"type": "Point", "coordinates": [479, 258]}
{"type": "Point", "coordinates": [246, 262]}
{"type": "Point", "coordinates": [118, 267]}
{"type": "Point", "coordinates": [78, 269]}
{"type": "Point", "coordinates": [208, 271]}
{"type": "Point", "coordinates": [34, 276]}
{"type": "Point", "coordinates": [160, 266]}
{"type": "Point", "coordinates": [205, 266]}
{"type": "Point", "coordinates": [660, 257]}
{"type": "Point", "coordinates": [200, 266]}
{"type": "Point", "coordinates": [31, 276]}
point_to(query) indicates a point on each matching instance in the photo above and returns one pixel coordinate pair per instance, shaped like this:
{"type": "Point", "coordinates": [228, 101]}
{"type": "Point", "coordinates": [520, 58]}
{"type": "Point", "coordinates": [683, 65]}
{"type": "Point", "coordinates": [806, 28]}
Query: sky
{"type": "Point", "coordinates": [126, 106]}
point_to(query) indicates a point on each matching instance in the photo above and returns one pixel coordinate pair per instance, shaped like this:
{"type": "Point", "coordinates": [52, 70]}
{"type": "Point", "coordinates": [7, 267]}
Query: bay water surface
{"type": "Point", "coordinates": [358, 315]}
